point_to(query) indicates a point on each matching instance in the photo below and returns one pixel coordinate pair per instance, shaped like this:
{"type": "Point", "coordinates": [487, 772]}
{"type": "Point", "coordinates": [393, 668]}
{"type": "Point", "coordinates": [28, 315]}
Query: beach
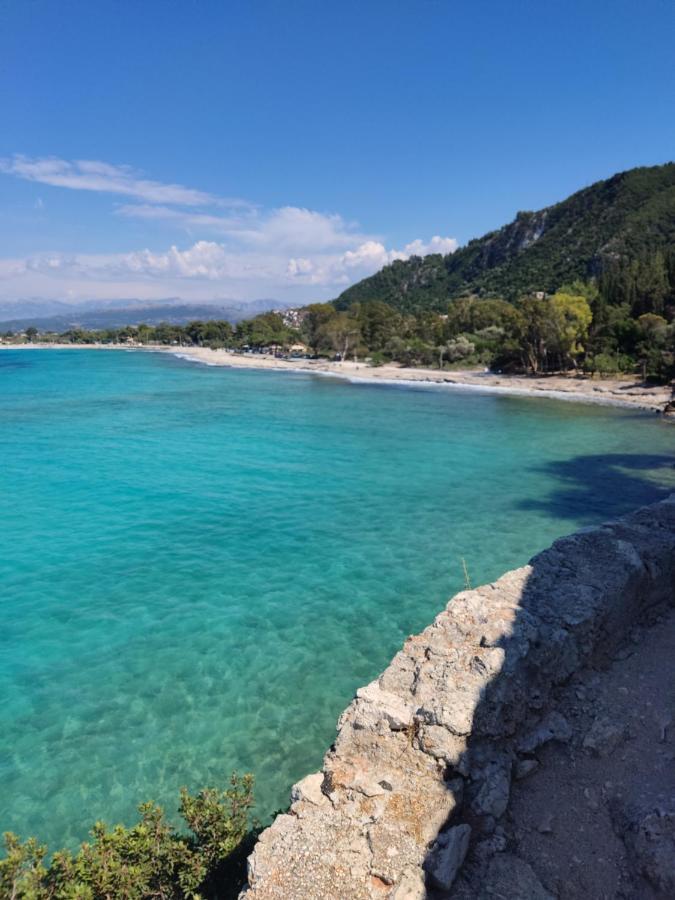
{"type": "Point", "coordinates": [626, 391]}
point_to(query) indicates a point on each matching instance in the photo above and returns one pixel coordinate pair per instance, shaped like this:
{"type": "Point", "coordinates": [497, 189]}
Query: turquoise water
{"type": "Point", "coordinates": [198, 566]}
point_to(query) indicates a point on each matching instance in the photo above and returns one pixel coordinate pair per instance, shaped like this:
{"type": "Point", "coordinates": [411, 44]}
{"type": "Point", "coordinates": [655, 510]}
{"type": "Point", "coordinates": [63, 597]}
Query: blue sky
{"type": "Point", "coordinates": [264, 149]}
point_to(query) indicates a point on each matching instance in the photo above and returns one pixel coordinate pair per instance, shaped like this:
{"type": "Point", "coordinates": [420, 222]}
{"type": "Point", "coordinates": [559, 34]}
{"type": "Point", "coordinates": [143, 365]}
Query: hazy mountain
{"type": "Point", "coordinates": [57, 316]}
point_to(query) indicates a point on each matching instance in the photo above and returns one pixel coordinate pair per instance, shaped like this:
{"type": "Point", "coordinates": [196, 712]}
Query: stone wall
{"type": "Point", "coordinates": [424, 756]}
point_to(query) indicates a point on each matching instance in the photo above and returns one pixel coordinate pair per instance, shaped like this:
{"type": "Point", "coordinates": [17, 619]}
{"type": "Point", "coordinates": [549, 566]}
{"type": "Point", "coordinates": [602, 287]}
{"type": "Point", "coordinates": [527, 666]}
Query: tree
{"type": "Point", "coordinates": [571, 317]}
{"type": "Point", "coordinates": [534, 333]}
{"type": "Point", "coordinates": [31, 333]}
{"type": "Point", "coordinates": [263, 331]}
{"type": "Point", "coordinates": [458, 349]}
{"type": "Point", "coordinates": [430, 328]}
{"type": "Point", "coordinates": [340, 333]}
{"type": "Point", "coordinates": [655, 346]}
{"type": "Point", "coordinates": [214, 333]}
{"type": "Point", "coordinates": [316, 317]}
{"type": "Point", "coordinates": [378, 323]}
{"type": "Point", "coordinates": [472, 314]}
{"type": "Point", "coordinates": [652, 286]}
{"type": "Point", "coordinates": [76, 336]}
{"type": "Point", "coordinates": [552, 330]}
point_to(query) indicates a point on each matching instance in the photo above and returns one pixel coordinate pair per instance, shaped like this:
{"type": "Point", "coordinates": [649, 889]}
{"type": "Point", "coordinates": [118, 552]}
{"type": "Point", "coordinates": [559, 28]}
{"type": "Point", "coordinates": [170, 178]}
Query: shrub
{"type": "Point", "coordinates": [609, 364]}
{"type": "Point", "coordinates": [150, 859]}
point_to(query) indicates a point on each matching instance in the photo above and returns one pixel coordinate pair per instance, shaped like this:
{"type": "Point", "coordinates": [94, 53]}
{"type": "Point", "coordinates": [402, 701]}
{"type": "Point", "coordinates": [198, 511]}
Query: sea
{"type": "Point", "coordinates": [199, 565]}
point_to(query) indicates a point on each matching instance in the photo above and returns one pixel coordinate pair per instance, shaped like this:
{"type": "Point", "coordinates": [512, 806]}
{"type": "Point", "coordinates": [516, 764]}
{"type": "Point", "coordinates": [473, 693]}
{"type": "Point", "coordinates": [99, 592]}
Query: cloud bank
{"type": "Point", "coordinates": [234, 248]}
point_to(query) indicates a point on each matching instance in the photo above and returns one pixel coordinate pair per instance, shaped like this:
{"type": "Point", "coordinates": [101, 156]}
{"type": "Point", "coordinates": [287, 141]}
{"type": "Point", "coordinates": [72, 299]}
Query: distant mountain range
{"type": "Point", "coordinates": [52, 315]}
{"type": "Point", "coordinates": [625, 217]}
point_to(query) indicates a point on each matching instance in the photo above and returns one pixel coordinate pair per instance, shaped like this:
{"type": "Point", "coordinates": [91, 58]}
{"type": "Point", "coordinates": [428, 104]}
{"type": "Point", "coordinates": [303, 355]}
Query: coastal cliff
{"type": "Point", "coordinates": [426, 757]}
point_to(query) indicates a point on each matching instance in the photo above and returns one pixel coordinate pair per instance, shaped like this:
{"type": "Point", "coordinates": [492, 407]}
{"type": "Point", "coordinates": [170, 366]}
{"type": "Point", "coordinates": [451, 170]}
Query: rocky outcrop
{"type": "Point", "coordinates": [424, 758]}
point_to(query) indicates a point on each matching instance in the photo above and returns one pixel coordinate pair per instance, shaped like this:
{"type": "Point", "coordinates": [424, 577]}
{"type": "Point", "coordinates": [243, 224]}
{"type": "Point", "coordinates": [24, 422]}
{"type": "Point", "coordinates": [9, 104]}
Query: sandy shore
{"type": "Point", "coordinates": [608, 391]}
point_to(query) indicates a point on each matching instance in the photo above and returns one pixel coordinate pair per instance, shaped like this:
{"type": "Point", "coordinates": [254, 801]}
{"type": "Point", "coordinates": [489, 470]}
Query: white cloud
{"type": "Point", "coordinates": [300, 266]}
{"type": "Point", "coordinates": [209, 268]}
{"type": "Point", "coordinates": [202, 271]}
{"type": "Point", "coordinates": [288, 228]}
{"type": "Point", "coordinates": [204, 260]}
{"type": "Point", "coordinates": [93, 175]}
{"type": "Point", "coordinates": [187, 219]}
{"type": "Point", "coordinates": [437, 244]}
{"type": "Point", "coordinates": [370, 255]}
{"type": "Point", "coordinates": [292, 228]}
{"type": "Point", "coordinates": [235, 248]}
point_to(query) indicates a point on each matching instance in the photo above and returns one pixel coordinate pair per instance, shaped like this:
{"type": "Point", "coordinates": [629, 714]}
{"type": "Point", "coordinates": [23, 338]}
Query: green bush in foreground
{"type": "Point", "coordinates": [149, 860]}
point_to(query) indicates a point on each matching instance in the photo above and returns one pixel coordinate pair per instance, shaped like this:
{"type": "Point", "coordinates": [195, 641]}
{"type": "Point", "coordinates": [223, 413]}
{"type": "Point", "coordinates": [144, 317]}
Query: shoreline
{"type": "Point", "coordinates": [624, 393]}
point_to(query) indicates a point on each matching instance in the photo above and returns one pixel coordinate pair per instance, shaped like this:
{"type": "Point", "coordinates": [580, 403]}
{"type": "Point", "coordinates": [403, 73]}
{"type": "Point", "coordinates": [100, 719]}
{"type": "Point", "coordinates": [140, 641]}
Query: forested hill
{"type": "Point", "coordinates": [628, 216]}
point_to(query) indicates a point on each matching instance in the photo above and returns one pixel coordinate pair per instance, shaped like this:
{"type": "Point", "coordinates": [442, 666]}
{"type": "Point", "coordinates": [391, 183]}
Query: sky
{"type": "Point", "coordinates": [284, 150]}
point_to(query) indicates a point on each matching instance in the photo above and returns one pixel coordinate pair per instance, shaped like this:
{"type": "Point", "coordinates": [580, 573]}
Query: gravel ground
{"type": "Point", "coordinates": [593, 817]}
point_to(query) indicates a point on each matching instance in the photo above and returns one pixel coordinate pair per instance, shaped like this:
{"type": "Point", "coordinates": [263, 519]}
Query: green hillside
{"type": "Point", "coordinates": [629, 216]}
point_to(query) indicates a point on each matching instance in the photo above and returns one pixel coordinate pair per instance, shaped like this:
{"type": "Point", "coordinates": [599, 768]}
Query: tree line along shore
{"type": "Point", "coordinates": [611, 326]}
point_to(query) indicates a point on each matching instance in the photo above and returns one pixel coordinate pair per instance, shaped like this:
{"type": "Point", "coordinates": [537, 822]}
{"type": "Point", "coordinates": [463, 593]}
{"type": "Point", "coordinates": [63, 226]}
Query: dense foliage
{"type": "Point", "coordinates": [622, 323]}
{"type": "Point", "coordinates": [628, 216]}
{"type": "Point", "coordinates": [150, 859]}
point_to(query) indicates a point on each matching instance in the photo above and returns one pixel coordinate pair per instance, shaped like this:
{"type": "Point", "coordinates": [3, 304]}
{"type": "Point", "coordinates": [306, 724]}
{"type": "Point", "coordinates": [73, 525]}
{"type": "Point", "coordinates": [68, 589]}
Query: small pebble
{"type": "Point", "coordinates": [546, 824]}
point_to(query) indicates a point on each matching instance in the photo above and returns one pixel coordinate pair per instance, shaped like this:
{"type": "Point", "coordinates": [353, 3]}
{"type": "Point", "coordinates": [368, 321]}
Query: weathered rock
{"type": "Point", "coordinates": [651, 841]}
{"type": "Point", "coordinates": [398, 839]}
{"type": "Point", "coordinates": [554, 727]}
{"type": "Point", "coordinates": [487, 848]}
{"type": "Point", "coordinates": [503, 876]}
{"type": "Point", "coordinates": [410, 887]}
{"type": "Point", "coordinates": [525, 767]}
{"type": "Point", "coordinates": [322, 858]}
{"type": "Point", "coordinates": [447, 856]}
{"type": "Point", "coordinates": [443, 744]}
{"type": "Point", "coordinates": [604, 736]}
{"type": "Point", "coordinates": [377, 704]}
{"type": "Point", "coordinates": [512, 878]}
{"type": "Point", "coordinates": [493, 795]}
{"type": "Point", "coordinates": [309, 790]}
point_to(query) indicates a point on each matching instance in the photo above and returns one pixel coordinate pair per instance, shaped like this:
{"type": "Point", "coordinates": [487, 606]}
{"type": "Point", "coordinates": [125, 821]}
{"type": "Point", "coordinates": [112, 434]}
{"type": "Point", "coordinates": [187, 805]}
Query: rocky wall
{"type": "Point", "coordinates": [424, 756]}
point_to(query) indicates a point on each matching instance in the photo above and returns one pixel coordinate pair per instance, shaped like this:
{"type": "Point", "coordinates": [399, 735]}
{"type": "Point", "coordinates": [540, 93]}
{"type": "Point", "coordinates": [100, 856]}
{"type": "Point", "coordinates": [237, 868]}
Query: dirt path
{"type": "Point", "coordinates": [594, 817]}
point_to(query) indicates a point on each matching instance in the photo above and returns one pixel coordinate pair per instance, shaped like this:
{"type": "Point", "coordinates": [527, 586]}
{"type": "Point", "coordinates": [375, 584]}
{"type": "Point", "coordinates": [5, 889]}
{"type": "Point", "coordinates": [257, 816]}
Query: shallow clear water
{"type": "Point", "coordinates": [198, 566]}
